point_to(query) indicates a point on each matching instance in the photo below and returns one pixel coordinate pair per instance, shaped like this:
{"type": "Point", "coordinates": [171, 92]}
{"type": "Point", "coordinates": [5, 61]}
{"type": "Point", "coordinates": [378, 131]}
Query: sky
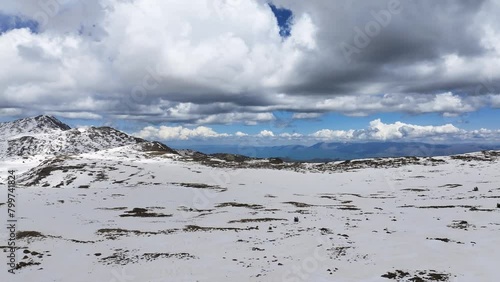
{"type": "Point", "coordinates": [257, 71]}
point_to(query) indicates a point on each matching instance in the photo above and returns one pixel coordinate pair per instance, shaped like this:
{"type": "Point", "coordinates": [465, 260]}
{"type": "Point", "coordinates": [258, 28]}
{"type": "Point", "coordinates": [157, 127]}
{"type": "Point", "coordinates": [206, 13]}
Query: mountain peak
{"type": "Point", "coordinates": [52, 122]}
{"type": "Point", "coordinates": [42, 124]}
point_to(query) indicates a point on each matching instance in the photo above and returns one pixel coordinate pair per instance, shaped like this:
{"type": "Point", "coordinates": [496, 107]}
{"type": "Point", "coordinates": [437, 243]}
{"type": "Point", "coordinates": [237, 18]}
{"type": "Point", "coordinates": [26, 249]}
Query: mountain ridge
{"type": "Point", "coordinates": [46, 135]}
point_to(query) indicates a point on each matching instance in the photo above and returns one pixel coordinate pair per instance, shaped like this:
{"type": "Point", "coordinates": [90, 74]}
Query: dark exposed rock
{"type": "Point", "coordinates": [157, 147]}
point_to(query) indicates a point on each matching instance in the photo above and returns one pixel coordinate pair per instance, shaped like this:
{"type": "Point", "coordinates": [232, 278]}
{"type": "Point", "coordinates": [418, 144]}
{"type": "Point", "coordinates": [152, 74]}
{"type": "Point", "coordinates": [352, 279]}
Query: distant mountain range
{"type": "Point", "coordinates": [346, 151]}
{"type": "Point", "coordinates": [46, 135]}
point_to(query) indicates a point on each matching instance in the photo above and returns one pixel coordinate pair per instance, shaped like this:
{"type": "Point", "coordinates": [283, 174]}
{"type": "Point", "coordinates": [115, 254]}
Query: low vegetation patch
{"type": "Point", "coordinates": [418, 276]}
{"type": "Point", "coordinates": [415, 190]}
{"type": "Point", "coordinates": [196, 228]}
{"type": "Point", "coordinates": [24, 264]}
{"type": "Point", "coordinates": [446, 240]}
{"type": "Point", "coordinates": [348, 208]}
{"type": "Point", "coordinates": [451, 186]}
{"type": "Point", "coordinates": [201, 186]}
{"type": "Point", "coordinates": [29, 234]}
{"type": "Point", "coordinates": [298, 204]}
{"type": "Point", "coordinates": [124, 257]}
{"type": "Point", "coordinates": [461, 224]}
{"type": "Point", "coordinates": [251, 220]}
{"type": "Point", "coordinates": [114, 233]}
{"type": "Point", "coordinates": [438, 207]}
{"type": "Point", "coordinates": [140, 212]}
{"type": "Point", "coordinates": [239, 205]}
{"type": "Point", "coordinates": [113, 209]}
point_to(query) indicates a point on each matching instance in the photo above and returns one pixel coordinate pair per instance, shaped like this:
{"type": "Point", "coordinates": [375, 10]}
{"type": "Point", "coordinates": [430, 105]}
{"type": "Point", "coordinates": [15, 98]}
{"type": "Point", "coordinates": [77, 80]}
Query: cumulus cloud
{"type": "Point", "coordinates": [495, 101]}
{"type": "Point", "coordinates": [306, 115]}
{"type": "Point", "coordinates": [338, 135]}
{"type": "Point", "coordinates": [246, 118]}
{"type": "Point", "coordinates": [76, 115]}
{"type": "Point", "coordinates": [375, 131]}
{"type": "Point", "coordinates": [218, 62]}
{"type": "Point", "coordinates": [202, 52]}
{"type": "Point", "coordinates": [291, 136]}
{"type": "Point", "coordinates": [446, 103]}
{"type": "Point", "coordinates": [10, 112]}
{"type": "Point", "coordinates": [379, 131]}
{"type": "Point", "coordinates": [266, 133]}
{"type": "Point", "coordinates": [178, 133]}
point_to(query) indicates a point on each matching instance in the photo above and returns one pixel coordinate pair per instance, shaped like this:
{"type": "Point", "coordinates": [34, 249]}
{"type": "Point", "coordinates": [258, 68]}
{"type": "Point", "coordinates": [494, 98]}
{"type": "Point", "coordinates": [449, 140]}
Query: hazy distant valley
{"type": "Point", "coordinates": [346, 151]}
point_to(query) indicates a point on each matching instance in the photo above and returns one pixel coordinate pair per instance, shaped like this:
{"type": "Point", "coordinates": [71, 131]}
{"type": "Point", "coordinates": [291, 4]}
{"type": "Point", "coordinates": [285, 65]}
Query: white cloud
{"type": "Point", "coordinates": [446, 103]}
{"type": "Point", "coordinates": [178, 133]}
{"type": "Point", "coordinates": [306, 115]}
{"type": "Point", "coordinates": [304, 32]}
{"type": "Point", "coordinates": [329, 134]}
{"type": "Point", "coordinates": [398, 130]}
{"type": "Point", "coordinates": [147, 50]}
{"type": "Point", "coordinates": [266, 133]}
{"type": "Point", "coordinates": [375, 131]}
{"type": "Point", "coordinates": [378, 130]}
{"type": "Point", "coordinates": [495, 101]}
{"type": "Point", "coordinates": [246, 118]}
{"type": "Point", "coordinates": [219, 62]}
{"type": "Point", "coordinates": [76, 115]}
{"type": "Point", "coordinates": [291, 136]}
{"type": "Point", "coordinates": [10, 111]}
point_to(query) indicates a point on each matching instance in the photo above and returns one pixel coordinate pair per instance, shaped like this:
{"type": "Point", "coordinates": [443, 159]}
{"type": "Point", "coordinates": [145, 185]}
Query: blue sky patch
{"type": "Point", "coordinates": [284, 17]}
{"type": "Point", "coordinates": [10, 22]}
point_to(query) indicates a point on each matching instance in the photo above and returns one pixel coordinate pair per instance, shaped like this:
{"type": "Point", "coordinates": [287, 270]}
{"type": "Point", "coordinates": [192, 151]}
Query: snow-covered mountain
{"type": "Point", "coordinates": [46, 135]}
{"type": "Point", "coordinates": [42, 124]}
{"type": "Point", "coordinates": [73, 141]}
